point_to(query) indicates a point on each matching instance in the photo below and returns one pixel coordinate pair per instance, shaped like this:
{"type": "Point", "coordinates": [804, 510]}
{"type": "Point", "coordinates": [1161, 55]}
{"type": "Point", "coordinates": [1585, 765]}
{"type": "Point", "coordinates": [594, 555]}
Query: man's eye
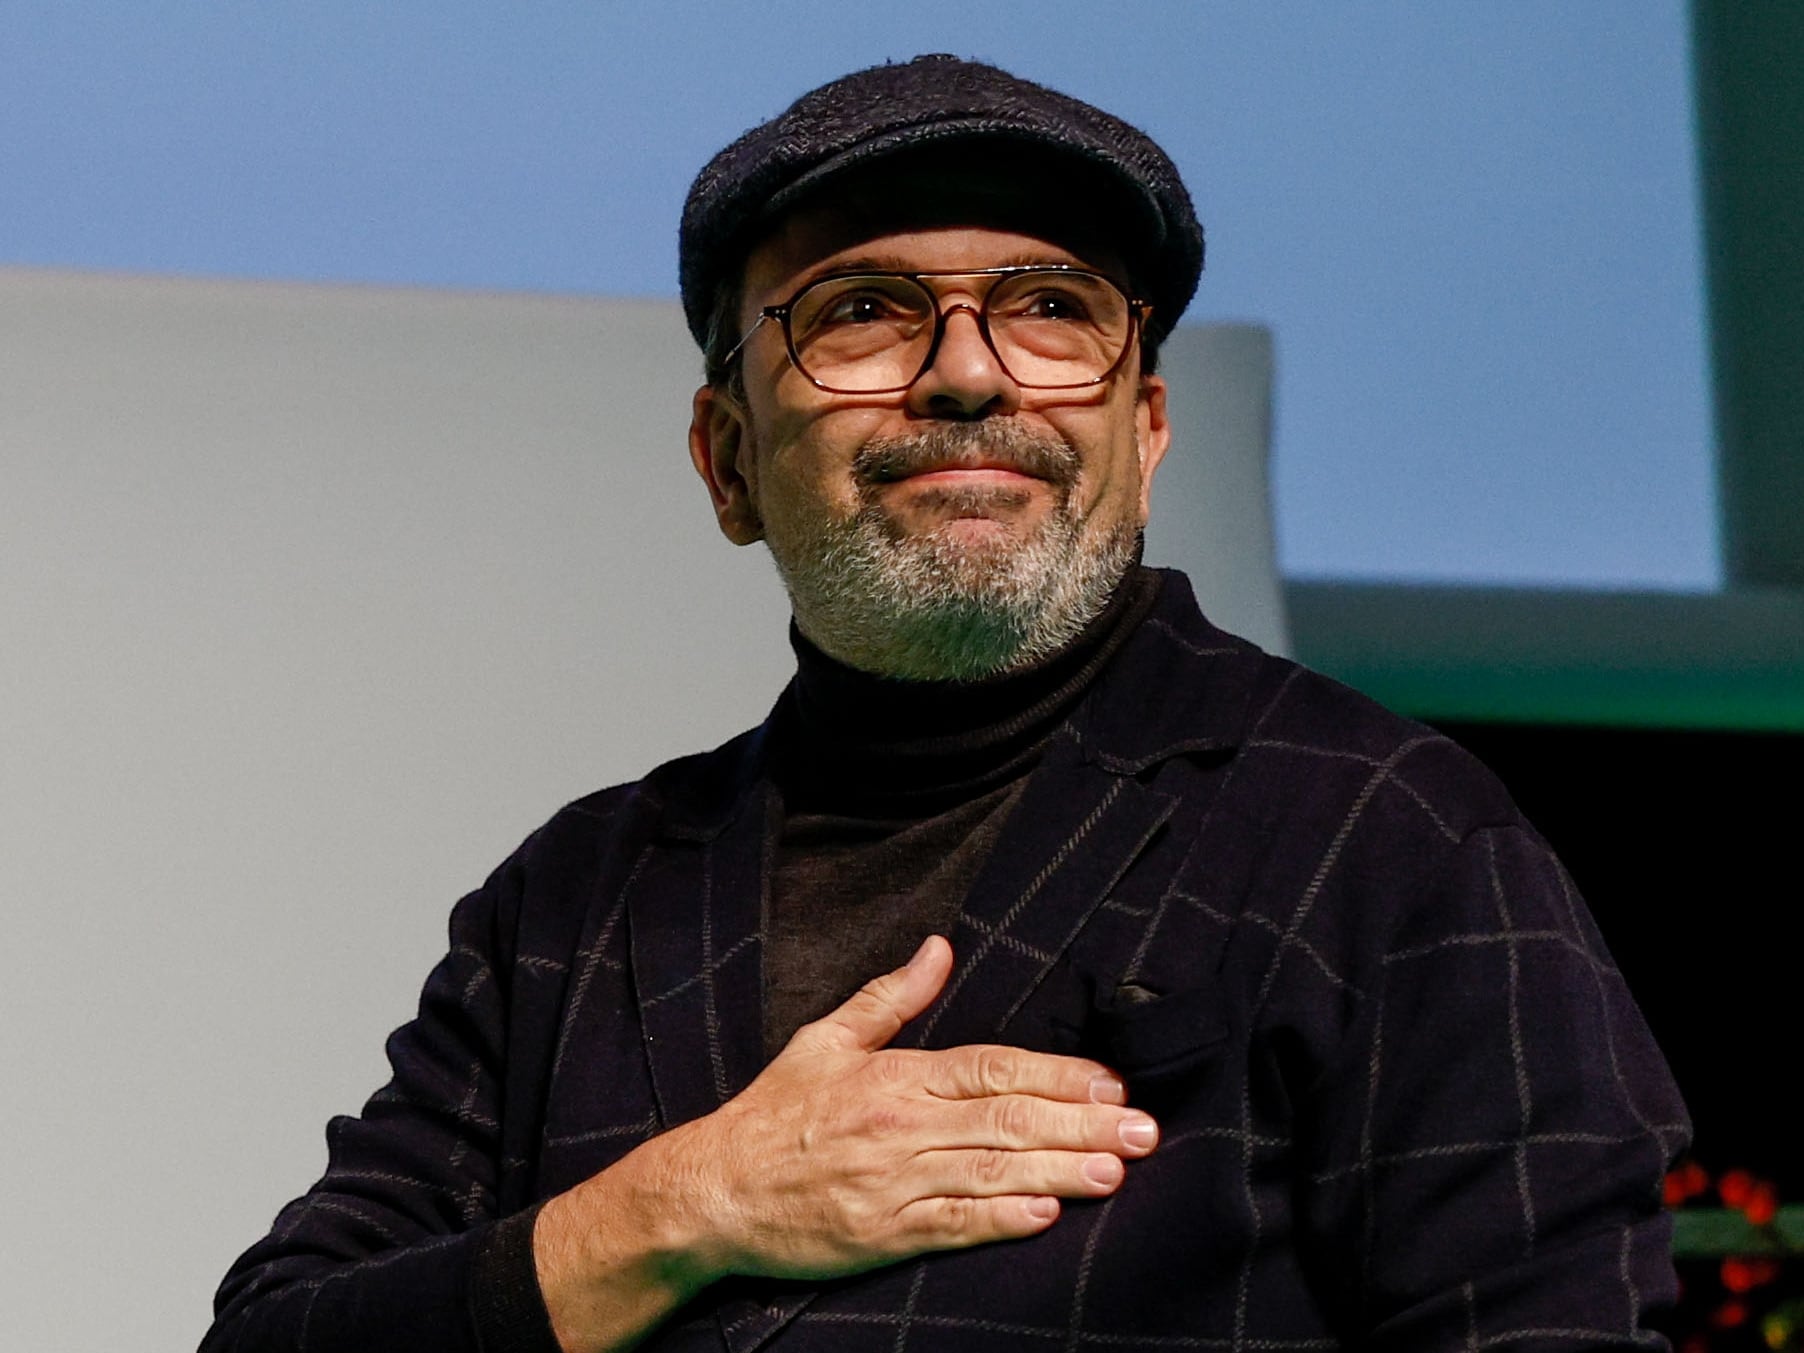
{"type": "Point", "coordinates": [1060, 305]}
{"type": "Point", "coordinates": [860, 307]}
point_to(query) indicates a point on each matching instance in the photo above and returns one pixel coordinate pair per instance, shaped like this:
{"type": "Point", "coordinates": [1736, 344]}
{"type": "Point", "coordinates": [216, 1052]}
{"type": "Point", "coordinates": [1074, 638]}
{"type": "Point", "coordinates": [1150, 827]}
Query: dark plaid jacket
{"type": "Point", "coordinates": [1406, 1101]}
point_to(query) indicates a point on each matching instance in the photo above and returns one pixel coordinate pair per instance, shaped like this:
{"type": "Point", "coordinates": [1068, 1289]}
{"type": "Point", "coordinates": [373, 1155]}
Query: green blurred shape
{"type": "Point", "coordinates": [1718, 1232]}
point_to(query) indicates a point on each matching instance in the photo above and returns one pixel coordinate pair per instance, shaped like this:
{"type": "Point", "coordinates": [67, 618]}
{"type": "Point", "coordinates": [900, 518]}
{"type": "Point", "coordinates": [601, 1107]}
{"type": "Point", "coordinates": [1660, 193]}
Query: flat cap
{"type": "Point", "coordinates": [937, 100]}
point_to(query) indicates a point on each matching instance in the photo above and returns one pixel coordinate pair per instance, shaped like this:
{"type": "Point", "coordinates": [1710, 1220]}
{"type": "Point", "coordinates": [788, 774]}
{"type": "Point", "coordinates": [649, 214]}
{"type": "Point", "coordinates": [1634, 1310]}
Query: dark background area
{"type": "Point", "coordinates": [1683, 841]}
{"type": "Point", "coordinates": [1685, 845]}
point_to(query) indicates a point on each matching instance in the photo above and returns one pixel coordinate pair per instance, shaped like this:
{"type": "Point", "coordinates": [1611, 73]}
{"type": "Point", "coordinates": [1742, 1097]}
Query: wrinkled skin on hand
{"type": "Point", "coordinates": [843, 1155]}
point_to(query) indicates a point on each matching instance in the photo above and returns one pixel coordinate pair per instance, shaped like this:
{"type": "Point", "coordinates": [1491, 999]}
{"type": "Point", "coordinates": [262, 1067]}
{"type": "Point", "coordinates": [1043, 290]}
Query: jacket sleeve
{"type": "Point", "coordinates": [399, 1244]}
{"type": "Point", "coordinates": [1500, 1127]}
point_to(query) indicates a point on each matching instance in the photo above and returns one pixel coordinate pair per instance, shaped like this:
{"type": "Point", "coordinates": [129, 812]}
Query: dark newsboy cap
{"type": "Point", "coordinates": [937, 101]}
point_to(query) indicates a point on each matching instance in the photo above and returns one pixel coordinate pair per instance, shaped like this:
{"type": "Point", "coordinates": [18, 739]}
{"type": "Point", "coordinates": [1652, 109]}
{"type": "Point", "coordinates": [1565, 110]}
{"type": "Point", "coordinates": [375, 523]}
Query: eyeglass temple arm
{"type": "Point", "coordinates": [776, 312]}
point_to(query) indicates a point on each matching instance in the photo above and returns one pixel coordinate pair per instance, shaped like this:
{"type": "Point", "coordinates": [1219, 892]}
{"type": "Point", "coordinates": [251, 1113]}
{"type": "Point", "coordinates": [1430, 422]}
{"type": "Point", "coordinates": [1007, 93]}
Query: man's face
{"type": "Point", "coordinates": [960, 527]}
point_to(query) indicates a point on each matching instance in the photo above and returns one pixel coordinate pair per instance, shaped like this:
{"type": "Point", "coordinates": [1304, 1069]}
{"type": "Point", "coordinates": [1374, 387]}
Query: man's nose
{"type": "Point", "coordinates": [965, 379]}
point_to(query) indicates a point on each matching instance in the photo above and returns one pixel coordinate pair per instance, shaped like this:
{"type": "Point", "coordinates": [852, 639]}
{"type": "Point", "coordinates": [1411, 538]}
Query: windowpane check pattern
{"type": "Point", "coordinates": [1405, 1099]}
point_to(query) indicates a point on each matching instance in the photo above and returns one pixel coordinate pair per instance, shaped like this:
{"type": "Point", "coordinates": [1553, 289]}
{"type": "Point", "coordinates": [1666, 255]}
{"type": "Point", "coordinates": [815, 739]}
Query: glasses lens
{"type": "Point", "coordinates": [1057, 328]}
{"type": "Point", "coordinates": [862, 333]}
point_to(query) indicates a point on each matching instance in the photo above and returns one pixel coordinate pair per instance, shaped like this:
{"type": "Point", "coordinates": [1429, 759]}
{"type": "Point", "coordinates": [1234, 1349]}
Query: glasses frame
{"type": "Point", "coordinates": [1138, 310]}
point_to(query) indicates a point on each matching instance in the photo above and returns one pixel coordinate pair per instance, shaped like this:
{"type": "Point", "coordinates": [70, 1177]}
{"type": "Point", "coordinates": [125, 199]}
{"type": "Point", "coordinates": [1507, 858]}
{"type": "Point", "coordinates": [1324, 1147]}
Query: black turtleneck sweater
{"type": "Point", "coordinates": [892, 794]}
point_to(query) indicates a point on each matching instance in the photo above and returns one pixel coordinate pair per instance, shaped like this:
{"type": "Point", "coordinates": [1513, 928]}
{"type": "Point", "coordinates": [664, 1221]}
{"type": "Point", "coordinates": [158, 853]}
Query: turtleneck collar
{"type": "Point", "coordinates": [852, 742]}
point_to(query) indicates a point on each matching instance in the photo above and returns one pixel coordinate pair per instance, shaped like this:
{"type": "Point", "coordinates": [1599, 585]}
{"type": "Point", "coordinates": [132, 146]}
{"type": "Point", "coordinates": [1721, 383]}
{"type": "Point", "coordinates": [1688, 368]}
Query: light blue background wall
{"type": "Point", "coordinates": [1472, 226]}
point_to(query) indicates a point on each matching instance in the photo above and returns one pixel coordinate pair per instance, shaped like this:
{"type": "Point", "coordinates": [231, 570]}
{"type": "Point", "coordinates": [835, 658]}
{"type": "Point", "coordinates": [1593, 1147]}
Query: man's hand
{"type": "Point", "coordinates": [842, 1155]}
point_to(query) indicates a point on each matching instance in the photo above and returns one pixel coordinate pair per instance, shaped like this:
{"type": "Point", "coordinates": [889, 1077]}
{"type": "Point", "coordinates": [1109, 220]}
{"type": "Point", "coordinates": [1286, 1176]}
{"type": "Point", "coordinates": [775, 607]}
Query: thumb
{"type": "Point", "coordinates": [878, 1010]}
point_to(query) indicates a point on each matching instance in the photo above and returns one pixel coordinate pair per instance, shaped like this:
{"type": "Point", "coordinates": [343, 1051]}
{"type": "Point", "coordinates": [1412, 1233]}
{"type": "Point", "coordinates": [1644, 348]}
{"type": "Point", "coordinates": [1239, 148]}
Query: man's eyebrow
{"type": "Point", "coordinates": [865, 263]}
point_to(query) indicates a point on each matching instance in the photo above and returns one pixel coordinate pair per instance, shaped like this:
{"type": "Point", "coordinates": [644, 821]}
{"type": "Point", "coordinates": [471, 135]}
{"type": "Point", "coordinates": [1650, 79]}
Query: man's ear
{"type": "Point", "coordinates": [719, 447]}
{"type": "Point", "coordinates": [1152, 436]}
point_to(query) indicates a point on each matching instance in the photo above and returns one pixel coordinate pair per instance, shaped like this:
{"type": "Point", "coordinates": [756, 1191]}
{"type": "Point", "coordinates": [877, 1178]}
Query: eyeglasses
{"type": "Point", "coordinates": [1051, 327]}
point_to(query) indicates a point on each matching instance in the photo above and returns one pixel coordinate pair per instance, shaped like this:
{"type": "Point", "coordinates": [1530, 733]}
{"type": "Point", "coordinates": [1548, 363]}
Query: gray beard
{"type": "Point", "coordinates": [931, 607]}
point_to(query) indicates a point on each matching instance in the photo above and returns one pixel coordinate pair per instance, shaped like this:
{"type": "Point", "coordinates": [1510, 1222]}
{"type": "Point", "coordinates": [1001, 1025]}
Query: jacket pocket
{"type": "Point", "coordinates": [1152, 1039]}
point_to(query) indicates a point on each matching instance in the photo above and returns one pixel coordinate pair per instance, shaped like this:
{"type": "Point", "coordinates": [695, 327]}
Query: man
{"type": "Point", "coordinates": [1264, 1020]}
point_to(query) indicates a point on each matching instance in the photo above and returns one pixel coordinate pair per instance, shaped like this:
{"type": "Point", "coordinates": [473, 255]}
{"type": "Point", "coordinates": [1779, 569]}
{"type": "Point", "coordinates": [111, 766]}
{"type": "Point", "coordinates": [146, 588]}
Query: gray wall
{"type": "Point", "coordinates": [313, 602]}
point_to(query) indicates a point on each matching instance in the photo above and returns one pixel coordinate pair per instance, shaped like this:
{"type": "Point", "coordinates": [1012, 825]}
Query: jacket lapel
{"type": "Point", "coordinates": [1075, 832]}
{"type": "Point", "coordinates": [695, 914]}
{"type": "Point", "coordinates": [1178, 687]}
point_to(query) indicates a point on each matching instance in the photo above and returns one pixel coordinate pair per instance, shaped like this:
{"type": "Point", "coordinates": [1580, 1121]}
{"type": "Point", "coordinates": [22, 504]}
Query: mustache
{"type": "Point", "coordinates": [989, 442]}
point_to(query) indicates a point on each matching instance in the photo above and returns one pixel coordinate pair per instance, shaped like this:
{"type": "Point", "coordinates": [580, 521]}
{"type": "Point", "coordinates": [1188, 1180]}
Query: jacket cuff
{"type": "Point", "coordinates": [505, 1302]}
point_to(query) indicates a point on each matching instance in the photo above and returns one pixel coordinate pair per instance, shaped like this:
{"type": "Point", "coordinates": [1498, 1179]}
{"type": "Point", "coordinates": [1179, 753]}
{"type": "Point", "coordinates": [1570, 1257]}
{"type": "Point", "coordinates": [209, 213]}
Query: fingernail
{"type": "Point", "coordinates": [919, 954]}
{"type": "Point", "coordinates": [1106, 1089]}
{"type": "Point", "coordinates": [1139, 1133]}
{"type": "Point", "coordinates": [1042, 1209]}
{"type": "Point", "coordinates": [1104, 1170]}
